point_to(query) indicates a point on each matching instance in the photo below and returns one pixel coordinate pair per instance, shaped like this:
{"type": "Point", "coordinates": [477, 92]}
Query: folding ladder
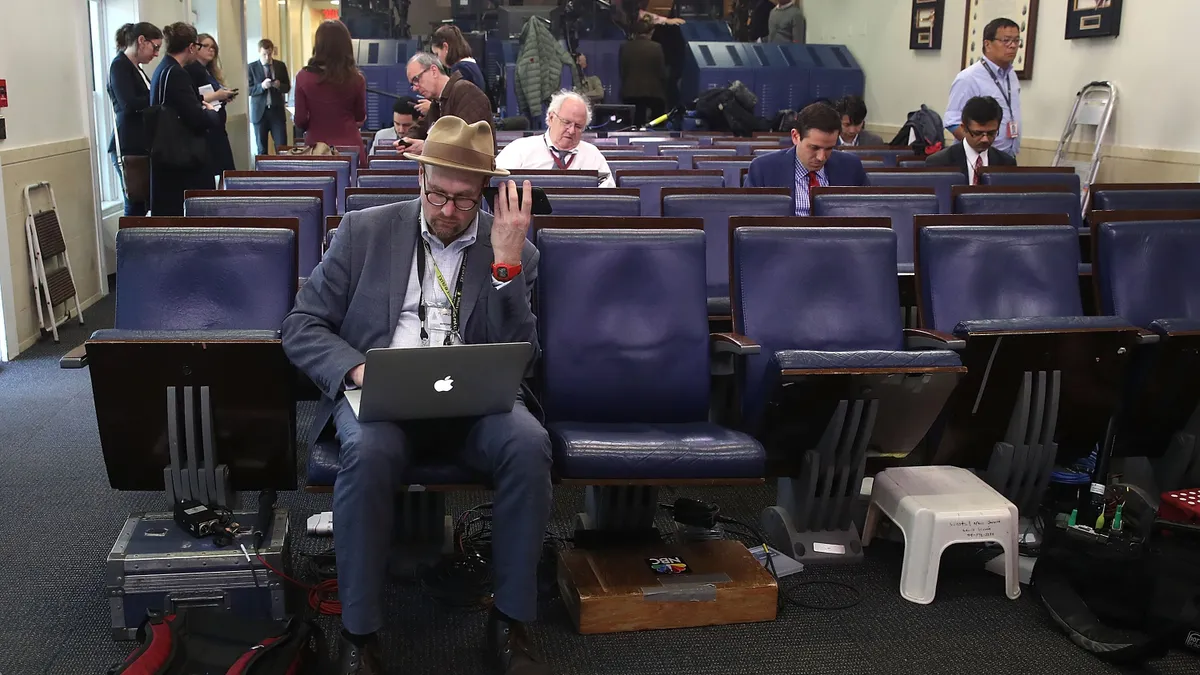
{"type": "Point", "coordinates": [1094, 105]}
{"type": "Point", "coordinates": [53, 283]}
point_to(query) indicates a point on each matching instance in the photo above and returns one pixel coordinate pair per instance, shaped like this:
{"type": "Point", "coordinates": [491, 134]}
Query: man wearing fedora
{"type": "Point", "coordinates": [478, 273]}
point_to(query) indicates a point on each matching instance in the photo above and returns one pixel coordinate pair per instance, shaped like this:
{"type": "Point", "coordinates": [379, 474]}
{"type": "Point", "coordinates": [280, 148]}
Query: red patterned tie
{"type": "Point", "coordinates": [978, 169]}
{"type": "Point", "coordinates": [813, 181]}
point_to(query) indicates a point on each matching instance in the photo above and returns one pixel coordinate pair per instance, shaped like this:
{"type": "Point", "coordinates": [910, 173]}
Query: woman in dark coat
{"type": "Point", "coordinates": [129, 89]}
{"type": "Point", "coordinates": [172, 87]}
{"type": "Point", "coordinates": [206, 70]}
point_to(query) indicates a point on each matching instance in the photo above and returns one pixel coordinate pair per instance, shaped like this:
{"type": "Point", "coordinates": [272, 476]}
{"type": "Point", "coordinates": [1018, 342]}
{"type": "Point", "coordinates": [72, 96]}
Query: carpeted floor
{"type": "Point", "coordinates": [60, 519]}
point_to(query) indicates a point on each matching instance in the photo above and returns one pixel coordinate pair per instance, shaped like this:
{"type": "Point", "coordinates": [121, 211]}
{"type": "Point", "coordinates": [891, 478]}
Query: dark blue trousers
{"type": "Point", "coordinates": [513, 448]}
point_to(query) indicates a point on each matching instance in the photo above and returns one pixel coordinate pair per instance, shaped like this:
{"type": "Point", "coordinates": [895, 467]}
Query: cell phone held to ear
{"type": "Point", "coordinates": [541, 203]}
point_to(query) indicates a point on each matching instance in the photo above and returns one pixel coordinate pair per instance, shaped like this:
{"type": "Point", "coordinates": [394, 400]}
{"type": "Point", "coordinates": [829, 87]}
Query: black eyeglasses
{"type": "Point", "coordinates": [977, 133]}
{"type": "Point", "coordinates": [439, 199]}
{"type": "Point", "coordinates": [417, 78]}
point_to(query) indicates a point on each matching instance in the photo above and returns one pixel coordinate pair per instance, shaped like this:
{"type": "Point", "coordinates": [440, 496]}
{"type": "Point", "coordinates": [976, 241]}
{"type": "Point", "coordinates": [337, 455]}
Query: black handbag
{"type": "Point", "coordinates": [172, 144]}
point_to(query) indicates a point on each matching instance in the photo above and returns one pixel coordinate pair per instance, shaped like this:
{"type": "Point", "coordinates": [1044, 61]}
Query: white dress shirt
{"type": "Point", "coordinates": [971, 157]}
{"type": "Point", "coordinates": [533, 152]}
{"type": "Point", "coordinates": [448, 259]}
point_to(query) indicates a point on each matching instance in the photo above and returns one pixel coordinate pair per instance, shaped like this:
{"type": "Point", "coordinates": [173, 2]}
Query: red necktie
{"type": "Point", "coordinates": [978, 168]}
{"type": "Point", "coordinates": [813, 181]}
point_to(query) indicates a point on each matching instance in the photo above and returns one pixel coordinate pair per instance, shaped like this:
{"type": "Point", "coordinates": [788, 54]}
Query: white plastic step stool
{"type": "Point", "coordinates": [934, 507]}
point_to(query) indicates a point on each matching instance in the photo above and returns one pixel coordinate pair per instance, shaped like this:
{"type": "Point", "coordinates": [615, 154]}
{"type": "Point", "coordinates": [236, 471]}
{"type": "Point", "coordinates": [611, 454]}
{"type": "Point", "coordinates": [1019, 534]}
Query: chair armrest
{"type": "Point", "coordinates": [733, 343]}
{"type": "Point", "coordinates": [923, 338]}
{"type": "Point", "coordinates": [76, 358]}
{"type": "Point", "coordinates": [1145, 337]}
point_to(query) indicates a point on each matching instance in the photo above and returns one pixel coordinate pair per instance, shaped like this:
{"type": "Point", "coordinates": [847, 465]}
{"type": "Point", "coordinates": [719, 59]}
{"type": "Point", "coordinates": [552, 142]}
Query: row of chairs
{"type": "Point", "coordinates": [820, 372]}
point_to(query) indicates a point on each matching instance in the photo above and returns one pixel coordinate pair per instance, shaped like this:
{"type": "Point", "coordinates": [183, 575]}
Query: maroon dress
{"type": "Point", "coordinates": [331, 113]}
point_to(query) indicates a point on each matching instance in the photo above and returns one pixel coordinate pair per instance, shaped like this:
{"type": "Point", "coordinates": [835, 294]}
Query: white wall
{"type": "Point", "coordinates": [161, 13]}
{"type": "Point", "coordinates": [1149, 62]}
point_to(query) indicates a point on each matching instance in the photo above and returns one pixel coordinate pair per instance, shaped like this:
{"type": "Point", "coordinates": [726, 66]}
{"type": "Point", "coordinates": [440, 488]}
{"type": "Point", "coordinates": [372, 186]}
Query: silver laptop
{"type": "Point", "coordinates": [434, 382]}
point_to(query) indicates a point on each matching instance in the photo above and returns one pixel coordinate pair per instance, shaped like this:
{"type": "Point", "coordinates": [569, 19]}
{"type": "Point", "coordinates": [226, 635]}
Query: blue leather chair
{"type": "Point", "coordinates": [307, 208]}
{"type": "Point", "coordinates": [552, 179]}
{"type": "Point", "coordinates": [661, 164]}
{"type": "Point", "coordinates": [628, 399]}
{"type": "Point", "coordinates": [358, 199]}
{"type": "Point", "coordinates": [1144, 196]}
{"type": "Point", "coordinates": [1146, 273]}
{"type": "Point", "coordinates": [900, 205]}
{"type": "Point", "coordinates": [1009, 199]}
{"type": "Point", "coordinates": [391, 164]}
{"type": "Point", "coordinates": [890, 157]}
{"type": "Point", "coordinates": [684, 154]}
{"type": "Point", "coordinates": [591, 201]}
{"type": "Point", "coordinates": [1040, 374]}
{"type": "Point", "coordinates": [942, 183]}
{"type": "Point", "coordinates": [651, 182]}
{"type": "Point", "coordinates": [325, 181]}
{"type": "Point", "coordinates": [732, 167]}
{"type": "Point", "coordinates": [716, 206]}
{"type": "Point", "coordinates": [611, 153]}
{"type": "Point", "coordinates": [834, 373]}
{"type": "Point", "coordinates": [389, 178]}
{"type": "Point", "coordinates": [1030, 176]}
{"type": "Point", "coordinates": [340, 164]}
{"type": "Point", "coordinates": [650, 144]}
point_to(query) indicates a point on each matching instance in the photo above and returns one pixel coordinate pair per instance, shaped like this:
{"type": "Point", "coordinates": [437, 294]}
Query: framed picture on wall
{"type": "Point", "coordinates": [1093, 18]}
{"type": "Point", "coordinates": [925, 31]}
{"type": "Point", "coordinates": [981, 12]}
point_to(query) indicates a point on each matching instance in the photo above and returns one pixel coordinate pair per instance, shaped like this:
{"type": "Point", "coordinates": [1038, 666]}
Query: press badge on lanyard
{"type": "Point", "coordinates": [440, 321]}
{"type": "Point", "coordinates": [1014, 129]}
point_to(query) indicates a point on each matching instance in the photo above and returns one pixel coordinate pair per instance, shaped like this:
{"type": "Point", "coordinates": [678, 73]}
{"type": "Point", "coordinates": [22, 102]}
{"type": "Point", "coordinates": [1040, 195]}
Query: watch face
{"type": "Point", "coordinates": [502, 273]}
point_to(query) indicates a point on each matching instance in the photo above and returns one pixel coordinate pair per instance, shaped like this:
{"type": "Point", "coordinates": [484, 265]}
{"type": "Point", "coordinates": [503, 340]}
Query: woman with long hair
{"type": "Point", "coordinates": [206, 71]}
{"type": "Point", "coordinates": [331, 93]}
{"type": "Point", "coordinates": [451, 47]}
{"type": "Point", "coordinates": [172, 87]}
{"type": "Point", "coordinates": [129, 89]}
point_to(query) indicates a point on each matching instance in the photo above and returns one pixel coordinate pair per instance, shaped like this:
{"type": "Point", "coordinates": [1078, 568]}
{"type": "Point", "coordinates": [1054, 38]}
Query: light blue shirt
{"type": "Point", "coordinates": [975, 81]}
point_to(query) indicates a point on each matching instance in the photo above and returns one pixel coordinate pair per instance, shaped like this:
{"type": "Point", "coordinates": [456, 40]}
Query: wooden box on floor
{"type": "Point", "coordinates": [615, 590]}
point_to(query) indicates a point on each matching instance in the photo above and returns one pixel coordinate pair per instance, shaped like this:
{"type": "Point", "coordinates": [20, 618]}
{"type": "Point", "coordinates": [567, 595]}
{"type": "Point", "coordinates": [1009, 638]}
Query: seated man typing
{"type": "Point", "coordinates": [404, 116]}
{"type": "Point", "coordinates": [366, 294]}
{"type": "Point", "coordinates": [562, 146]}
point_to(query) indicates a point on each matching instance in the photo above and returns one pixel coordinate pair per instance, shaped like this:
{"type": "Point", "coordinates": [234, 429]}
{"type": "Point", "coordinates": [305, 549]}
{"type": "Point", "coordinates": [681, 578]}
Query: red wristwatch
{"type": "Point", "coordinates": [504, 271]}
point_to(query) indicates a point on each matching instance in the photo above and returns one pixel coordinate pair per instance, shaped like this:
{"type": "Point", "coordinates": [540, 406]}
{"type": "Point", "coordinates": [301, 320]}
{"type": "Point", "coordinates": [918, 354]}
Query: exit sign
{"type": "Point", "coordinates": [330, 14]}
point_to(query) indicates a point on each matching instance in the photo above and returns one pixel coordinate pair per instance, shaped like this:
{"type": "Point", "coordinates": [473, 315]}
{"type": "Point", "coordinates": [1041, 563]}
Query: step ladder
{"type": "Point", "coordinates": [53, 282]}
{"type": "Point", "coordinates": [1094, 106]}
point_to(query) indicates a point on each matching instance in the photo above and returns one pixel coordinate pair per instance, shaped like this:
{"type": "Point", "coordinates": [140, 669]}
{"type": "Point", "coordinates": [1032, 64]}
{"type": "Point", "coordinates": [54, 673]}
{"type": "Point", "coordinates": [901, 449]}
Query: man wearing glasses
{"type": "Point", "coordinates": [425, 273]}
{"type": "Point", "coordinates": [562, 146]}
{"type": "Point", "coordinates": [994, 76]}
{"type": "Point", "coordinates": [980, 127]}
{"type": "Point", "coordinates": [445, 94]}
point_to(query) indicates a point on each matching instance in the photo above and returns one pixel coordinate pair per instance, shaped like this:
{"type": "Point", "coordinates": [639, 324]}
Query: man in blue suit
{"type": "Point", "coordinates": [813, 163]}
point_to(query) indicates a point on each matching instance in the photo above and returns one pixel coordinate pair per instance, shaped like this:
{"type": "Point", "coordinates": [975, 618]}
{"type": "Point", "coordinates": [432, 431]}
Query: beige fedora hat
{"type": "Point", "coordinates": [453, 144]}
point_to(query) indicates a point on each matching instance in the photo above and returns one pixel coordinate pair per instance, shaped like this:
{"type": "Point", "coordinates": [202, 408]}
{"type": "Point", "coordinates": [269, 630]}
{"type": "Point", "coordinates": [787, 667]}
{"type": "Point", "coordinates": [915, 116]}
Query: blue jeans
{"type": "Point", "coordinates": [513, 448]}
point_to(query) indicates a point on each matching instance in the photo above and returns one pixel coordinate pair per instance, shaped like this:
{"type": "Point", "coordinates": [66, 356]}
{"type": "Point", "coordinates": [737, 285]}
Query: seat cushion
{"type": "Point", "coordinates": [324, 464]}
{"type": "Point", "coordinates": [1180, 325]}
{"type": "Point", "coordinates": [803, 359]}
{"type": "Point", "coordinates": [654, 451]}
{"type": "Point", "coordinates": [1043, 323]}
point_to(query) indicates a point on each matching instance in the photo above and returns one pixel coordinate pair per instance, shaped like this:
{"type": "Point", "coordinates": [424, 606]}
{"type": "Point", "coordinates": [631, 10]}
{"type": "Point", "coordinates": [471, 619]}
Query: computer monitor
{"type": "Point", "coordinates": [251, 387]}
{"type": "Point", "coordinates": [612, 116]}
{"type": "Point", "coordinates": [512, 19]}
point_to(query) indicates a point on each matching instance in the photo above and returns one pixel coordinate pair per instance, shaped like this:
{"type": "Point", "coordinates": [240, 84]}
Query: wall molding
{"type": "Point", "coordinates": [31, 153]}
{"type": "Point", "coordinates": [38, 337]}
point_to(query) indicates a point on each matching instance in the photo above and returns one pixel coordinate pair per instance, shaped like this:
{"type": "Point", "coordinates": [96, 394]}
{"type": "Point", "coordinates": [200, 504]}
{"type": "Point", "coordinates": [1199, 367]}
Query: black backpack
{"type": "Point", "coordinates": [211, 641]}
{"type": "Point", "coordinates": [730, 109]}
{"type": "Point", "coordinates": [925, 127]}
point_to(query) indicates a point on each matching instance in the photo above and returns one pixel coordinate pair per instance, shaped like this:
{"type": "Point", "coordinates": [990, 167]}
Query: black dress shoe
{"type": "Point", "coordinates": [359, 659]}
{"type": "Point", "coordinates": [510, 649]}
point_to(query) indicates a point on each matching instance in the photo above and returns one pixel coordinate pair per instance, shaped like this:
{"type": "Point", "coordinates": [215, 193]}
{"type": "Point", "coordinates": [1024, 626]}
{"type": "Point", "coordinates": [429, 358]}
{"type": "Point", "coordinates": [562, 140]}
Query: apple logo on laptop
{"type": "Point", "coordinates": [444, 384]}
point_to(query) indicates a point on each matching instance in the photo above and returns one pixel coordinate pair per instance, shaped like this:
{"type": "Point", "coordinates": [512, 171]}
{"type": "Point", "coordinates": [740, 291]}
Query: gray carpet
{"type": "Point", "coordinates": [60, 519]}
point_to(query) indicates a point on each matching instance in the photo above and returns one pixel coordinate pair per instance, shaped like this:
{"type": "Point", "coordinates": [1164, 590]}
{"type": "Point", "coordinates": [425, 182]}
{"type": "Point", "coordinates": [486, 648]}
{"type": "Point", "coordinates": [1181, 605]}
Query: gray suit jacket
{"type": "Point", "coordinates": [353, 299]}
{"type": "Point", "coordinates": [867, 138]}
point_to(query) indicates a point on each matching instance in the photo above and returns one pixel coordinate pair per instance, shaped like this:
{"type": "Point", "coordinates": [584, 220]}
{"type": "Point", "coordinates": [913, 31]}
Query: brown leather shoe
{"type": "Point", "coordinates": [510, 649]}
{"type": "Point", "coordinates": [356, 660]}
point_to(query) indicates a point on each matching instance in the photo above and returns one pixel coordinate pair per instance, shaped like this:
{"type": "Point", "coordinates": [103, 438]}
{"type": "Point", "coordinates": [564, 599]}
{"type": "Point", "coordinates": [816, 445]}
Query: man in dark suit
{"type": "Point", "coordinates": [269, 85]}
{"type": "Point", "coordinates": [366, 294]}
{"type": "Point", "coordinates": [813, 162]}
{"type": "Point", "coordinates": [981, 118]}
{"type": "Point", "coordinates": [854, 117]}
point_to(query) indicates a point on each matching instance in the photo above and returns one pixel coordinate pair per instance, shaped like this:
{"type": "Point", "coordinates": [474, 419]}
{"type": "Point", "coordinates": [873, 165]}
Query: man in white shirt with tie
{"type": "Point", "coordinates": [980, 126]}
{"type": "Point", "coordinates": [562, 146]}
